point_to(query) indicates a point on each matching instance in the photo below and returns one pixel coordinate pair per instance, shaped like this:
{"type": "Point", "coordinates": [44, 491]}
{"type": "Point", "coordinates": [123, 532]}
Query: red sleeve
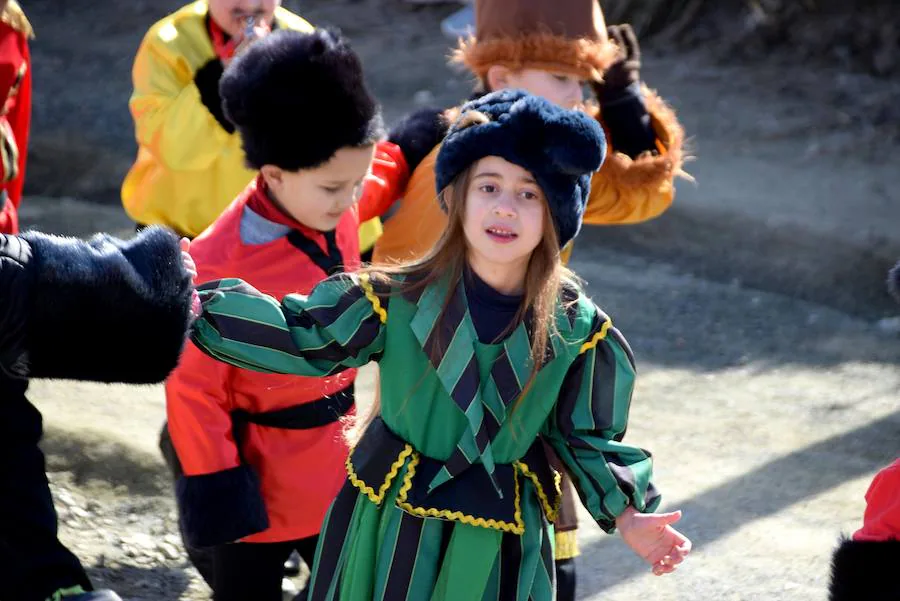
{"type": "Point", "coordinates": [15, 94]}
{"type": "Point", "coordinates": [198, 406]}
{"type": "Point", "coordinates": [9, 153]}
{"type": "Point", "coordinates": [387, 182]}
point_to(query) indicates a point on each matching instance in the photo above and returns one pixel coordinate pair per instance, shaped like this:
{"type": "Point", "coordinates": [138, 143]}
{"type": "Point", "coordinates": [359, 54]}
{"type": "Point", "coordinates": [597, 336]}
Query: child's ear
{"type": "Point", "coordinates": [273, 175]}
{"type": "Point", "coordinates": [498, 78]}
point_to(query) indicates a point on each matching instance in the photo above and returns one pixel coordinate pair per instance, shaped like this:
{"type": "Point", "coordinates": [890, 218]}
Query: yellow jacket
{"type": "Point", "coordinates": [622, 191]}
{"type": "Point", "coordinates": [188, 168]}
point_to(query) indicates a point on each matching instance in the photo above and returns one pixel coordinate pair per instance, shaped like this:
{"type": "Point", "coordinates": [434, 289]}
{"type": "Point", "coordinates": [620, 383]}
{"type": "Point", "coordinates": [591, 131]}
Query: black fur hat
{"type": "Point", "coordinates": [297, 98]}
{"type": "Point", "coordinates": [560, 148]}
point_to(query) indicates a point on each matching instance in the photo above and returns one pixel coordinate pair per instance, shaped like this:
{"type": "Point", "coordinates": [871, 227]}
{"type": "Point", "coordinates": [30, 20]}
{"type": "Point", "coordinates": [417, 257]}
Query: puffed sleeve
{"type": "Point", "coordinates": [340, 324]}
{"type": "Point", "coordinates": [588, 427]}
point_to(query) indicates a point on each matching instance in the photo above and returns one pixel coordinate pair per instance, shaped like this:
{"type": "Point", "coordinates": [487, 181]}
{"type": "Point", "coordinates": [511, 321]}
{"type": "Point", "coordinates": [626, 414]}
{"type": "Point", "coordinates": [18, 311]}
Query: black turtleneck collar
{"type": "Point", "coordinates": [491, 311]}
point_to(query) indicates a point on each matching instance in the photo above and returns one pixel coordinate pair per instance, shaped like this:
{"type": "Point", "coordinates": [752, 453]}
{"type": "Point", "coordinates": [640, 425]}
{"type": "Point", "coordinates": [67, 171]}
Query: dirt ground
{"type": "Point", "coordinates": [767, 389]}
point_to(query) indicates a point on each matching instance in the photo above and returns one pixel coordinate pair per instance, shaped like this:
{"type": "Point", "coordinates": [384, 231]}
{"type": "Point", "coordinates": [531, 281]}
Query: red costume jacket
{"type": "Point", "coordinates": [245, 480]}
{"type": "Point", "coordinates": [15, 114]}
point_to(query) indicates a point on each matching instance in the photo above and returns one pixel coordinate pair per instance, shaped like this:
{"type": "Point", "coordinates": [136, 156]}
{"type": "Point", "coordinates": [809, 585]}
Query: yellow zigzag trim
{"type": "Point", "coordinates": [597, 337]}
{"type": "Point", "coordinates": [457, 516]}
{"type": "Point", "coordinates": [567, 545]}
{"type": "Point", "coordinates": [367, 490]}
{"type": "Point", "coordinates": [370, 294]}
{"type": "Point", "coordinates": [552, 510]}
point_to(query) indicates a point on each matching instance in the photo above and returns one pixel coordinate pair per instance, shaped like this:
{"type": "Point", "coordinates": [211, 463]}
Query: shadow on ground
{"type": "Point", "coordinates": [135, 583]}
{"type": "Point", "coordinates": [760, 493]}
{"type": "Point", "coordinates": [93, 457]}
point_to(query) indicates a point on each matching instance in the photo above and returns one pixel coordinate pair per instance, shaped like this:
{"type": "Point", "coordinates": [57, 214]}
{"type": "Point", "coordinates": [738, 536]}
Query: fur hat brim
{"type": "Point", "coordinates": [865, 570]}
{"type": "Point", "coordinates": [586, 58]}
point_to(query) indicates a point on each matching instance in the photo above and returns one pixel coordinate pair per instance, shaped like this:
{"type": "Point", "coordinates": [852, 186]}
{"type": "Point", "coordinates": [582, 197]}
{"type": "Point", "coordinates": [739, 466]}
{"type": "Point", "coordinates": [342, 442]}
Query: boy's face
{"type": "Point", "coordinates": [562, 89]}
{"type": "Point", "coordinates": [319, 197]}
{"type": "Point", "coordinates": [231, 15]}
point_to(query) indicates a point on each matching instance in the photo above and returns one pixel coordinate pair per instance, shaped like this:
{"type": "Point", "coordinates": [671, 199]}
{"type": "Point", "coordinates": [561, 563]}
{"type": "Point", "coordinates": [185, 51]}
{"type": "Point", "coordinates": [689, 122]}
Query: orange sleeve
{"type": "Point", "coordinates": [418, 222]}
{"type": "Point", "coordinates": [386, 183]}
{"type": "Point", "coordinates": [627, 190]}
{"type": "Point", "coordinates": [198, 406]}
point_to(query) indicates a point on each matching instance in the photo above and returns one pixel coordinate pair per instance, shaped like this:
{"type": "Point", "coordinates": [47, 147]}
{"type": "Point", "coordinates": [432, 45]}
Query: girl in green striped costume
{"type": "Point", "coordinates": [487, 350]}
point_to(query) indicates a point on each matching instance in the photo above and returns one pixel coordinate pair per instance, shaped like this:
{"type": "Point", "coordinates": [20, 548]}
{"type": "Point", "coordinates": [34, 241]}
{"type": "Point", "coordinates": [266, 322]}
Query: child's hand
{"type": "Point", "coordinates": [186, 259]}
{"type": "Point", "coordinates": [652, 537]}
{"type": "Point", "coordinates": [189, 266]}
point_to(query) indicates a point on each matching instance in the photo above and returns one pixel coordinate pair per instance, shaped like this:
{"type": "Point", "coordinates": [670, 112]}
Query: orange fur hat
{"type": "Point", "coordinates": [554, 35]}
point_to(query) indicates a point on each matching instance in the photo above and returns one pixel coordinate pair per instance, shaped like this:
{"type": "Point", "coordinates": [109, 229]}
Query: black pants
{"type": "Point", "coordinates": [33, 562]}
{"type": "Point", "coordinates": [565, 580]}
{"type": "Point", "coordinates": [253, 571]}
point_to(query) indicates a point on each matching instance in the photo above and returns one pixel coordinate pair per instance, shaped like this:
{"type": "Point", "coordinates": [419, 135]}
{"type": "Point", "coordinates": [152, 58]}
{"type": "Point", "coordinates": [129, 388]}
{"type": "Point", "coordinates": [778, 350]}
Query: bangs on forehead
{"type": "Point", "coordinates": [490, 166]}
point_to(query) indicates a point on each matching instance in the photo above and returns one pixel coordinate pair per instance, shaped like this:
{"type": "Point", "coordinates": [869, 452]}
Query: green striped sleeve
{"type": "Point", "coordinates": [339, 325]}
{"type": "Point", "coordinates": [589, 424]}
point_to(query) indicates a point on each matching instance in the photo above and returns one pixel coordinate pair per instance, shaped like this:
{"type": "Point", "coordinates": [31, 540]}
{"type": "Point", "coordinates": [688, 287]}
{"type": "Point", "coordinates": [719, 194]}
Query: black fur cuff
{"type": "Point", "coordinates": [864, 570]}
{"type": "Point", "coordinates": [105, 309]}
{"type": "Point", "coordinates": [221, 507]}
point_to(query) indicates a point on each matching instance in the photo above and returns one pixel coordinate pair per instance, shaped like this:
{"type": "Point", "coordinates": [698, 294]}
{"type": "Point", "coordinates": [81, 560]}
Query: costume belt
{"type": "Point", "coordinates": [381, 457]}
{"type": "Point", "coordinates": [304, 416]}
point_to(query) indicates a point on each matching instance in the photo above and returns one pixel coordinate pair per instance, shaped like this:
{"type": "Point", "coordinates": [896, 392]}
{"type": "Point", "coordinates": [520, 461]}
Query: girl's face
{"type": "Point", "coordinates": [504, 216]}
{"type": "Point", "coordinates": [562, 89]}
{"type": "Point", "coordinates": [318, 197]}
{"type": "Point", "coordinates": [231, 15]}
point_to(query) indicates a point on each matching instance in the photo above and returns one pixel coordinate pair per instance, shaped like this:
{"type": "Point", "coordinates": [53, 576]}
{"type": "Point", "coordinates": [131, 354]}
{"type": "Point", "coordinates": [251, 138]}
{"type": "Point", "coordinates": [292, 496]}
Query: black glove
{"type": "Point", "coordinates": [207, 81]}
{"type": "Point", "coordinates": [417, 134]}
{"type": "Point", "coordinates": [16, 282]}
{"type": "Point", "coordinates": [625, 71]}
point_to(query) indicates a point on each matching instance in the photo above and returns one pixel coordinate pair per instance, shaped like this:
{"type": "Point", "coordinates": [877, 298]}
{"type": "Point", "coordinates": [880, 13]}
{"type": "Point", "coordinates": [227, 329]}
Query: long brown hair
{"type": "Point", "coordinates": [544, 279]}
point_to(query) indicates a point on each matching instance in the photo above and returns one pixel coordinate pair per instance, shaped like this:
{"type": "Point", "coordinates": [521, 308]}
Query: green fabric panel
{"type": "Point", "coordinates": [467, 564]}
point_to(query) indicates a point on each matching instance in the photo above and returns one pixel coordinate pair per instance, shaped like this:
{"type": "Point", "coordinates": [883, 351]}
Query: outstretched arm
{"type": "Point", "coordinates": [612, 478]}
{"type": "Point", "coordinates": [339, 325]}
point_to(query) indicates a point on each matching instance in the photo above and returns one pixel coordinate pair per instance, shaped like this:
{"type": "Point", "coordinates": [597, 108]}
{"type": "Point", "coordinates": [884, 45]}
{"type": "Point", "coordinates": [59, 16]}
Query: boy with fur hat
{"type": "Point", "coordinates": [863, 566]}
{"type": "Point", "coordinates": [189, 163]}
{"type": "Point", "coordinates": [262, 454]}
{"type": "Point", "coordinates": [64, 305]}
{"type": "Point", "coordinates": [485, 345]}
{"type": "Point", "coordinates": [550, 48]}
